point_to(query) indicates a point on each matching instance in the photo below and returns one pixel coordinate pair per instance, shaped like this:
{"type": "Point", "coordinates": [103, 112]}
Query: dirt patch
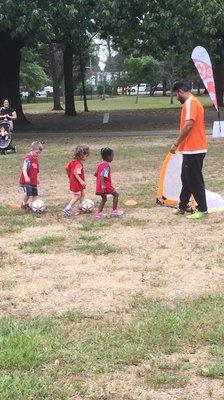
{"type": "Point", "coordinates": [156, 261]}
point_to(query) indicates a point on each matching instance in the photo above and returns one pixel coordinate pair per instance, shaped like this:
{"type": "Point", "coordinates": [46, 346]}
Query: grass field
{"type": "Point", "coordinates": [119, 309]}
{"type": "Point", "coordinates": [112, 104]}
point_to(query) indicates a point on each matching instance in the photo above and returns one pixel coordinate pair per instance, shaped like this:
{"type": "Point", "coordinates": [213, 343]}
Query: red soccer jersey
{"type": "Point", "coordinates": [32, 165]}
{"type": "Point", "coordinates": [75, 185]}
{"type": "Point", "coordinates": [103, 170]}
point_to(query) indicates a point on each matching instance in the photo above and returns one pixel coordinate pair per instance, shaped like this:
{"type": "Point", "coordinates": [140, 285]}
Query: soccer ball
{"type": "Point", "coordinates": [87, 206]}
{"type": "Point", "coordinates": [38, 206]}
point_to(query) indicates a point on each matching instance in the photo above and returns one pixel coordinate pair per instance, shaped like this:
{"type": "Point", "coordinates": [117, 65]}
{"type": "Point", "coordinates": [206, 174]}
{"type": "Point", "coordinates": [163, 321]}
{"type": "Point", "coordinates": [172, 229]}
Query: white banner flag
{"type": "Point", "coordinates": [203, 64]}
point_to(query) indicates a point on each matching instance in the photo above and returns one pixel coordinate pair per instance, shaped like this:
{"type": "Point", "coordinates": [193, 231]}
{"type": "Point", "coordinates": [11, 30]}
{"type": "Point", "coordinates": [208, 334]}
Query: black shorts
{"type": "Point", "coordinates": [29, 190]}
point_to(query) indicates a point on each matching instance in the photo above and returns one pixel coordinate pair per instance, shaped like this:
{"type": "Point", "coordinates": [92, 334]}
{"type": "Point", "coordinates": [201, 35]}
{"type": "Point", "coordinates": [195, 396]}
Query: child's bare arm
{"type": "Point", "coordinates": [102, 182]}
{"type": "Point", "coordinates": [78, 177]}
{"type": "Point", "coordinates": [26, 177]}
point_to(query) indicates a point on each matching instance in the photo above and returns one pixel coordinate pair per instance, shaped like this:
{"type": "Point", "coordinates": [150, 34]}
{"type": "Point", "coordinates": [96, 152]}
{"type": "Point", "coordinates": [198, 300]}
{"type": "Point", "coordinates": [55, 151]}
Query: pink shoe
{"type": "Point", "coordinates": [99, 215]}
{"type": "Point", "coordinates": [116, 213]}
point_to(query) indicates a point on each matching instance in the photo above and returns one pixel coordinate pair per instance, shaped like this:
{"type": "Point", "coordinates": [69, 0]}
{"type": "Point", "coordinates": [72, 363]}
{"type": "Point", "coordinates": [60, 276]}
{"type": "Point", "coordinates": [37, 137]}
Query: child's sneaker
{"type": "Point", "coordinates": [99, 215]}
{"type": "Point", "coordinates": [116, 213]}
{"type": "Point", "coordinates": [67, 211]}
{"type": "Point", "coordinates": [25, 207]}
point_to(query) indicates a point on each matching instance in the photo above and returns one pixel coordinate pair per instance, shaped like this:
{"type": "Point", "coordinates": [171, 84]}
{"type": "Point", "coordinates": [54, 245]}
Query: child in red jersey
{"type": "Point", "coordinates": [29, 178]}
{"type": "Point", "coordinates": [76, 177]}
{"type": "Point", "coordinates": [104, 184]}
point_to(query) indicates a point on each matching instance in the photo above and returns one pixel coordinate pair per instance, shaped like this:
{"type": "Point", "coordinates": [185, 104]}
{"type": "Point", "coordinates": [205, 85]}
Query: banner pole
{"type": "Point", "coordinates": [219, 118]}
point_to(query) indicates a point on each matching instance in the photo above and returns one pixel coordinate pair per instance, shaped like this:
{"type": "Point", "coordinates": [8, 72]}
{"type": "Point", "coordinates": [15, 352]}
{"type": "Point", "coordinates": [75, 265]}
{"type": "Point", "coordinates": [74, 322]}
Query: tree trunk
{"type": "Point", "coordinates": [82, 73]}
{"type": "Point", "coordinates": [218, 75]}
{"type": "Point", "coordinates": [68, 80]}
{"type": "Point", "coordinates": [164, 87]}
{"type": "Point", "coordinates": [136, 100]}
{"type": "Point", "coordinates": [10, 57]}
{"type": "Point", "coordinates": [171, 96]}
{"type": "Point", "coordinates": [57, 74]}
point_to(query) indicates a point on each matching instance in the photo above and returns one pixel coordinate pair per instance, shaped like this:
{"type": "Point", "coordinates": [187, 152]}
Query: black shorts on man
{"type": "Point", "coordinates": [30, 190]}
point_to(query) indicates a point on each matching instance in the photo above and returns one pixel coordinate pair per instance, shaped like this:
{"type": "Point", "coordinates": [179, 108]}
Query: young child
{"type": "Point", "coordinates": [3, 133]}
{"type": "Point", "coordinates": [75, 172]}
{"type": "Point", "coordinates": [29, 178]}
{"type": "Point", "coordinates": [104, 184]}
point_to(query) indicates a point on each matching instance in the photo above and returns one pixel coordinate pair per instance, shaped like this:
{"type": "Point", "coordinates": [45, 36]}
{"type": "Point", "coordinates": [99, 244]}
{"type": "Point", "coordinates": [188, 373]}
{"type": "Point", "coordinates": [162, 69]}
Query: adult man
{"type": "Point", "coordinates": [192, 143]}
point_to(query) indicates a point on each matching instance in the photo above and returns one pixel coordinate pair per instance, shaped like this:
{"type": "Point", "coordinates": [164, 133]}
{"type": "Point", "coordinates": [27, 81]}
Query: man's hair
{"type": "Point", "coordinates": [37, 146]}
{"type": "Point", "coordinates": [182, 85]}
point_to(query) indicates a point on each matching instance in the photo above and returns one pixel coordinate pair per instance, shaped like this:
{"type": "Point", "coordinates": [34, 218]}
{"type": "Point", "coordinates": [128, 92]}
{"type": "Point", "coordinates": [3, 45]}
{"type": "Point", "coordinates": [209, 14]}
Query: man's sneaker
{"type": "Point", "coordinates": [67, 211]}
{"type": "Point", "coordinates": [100, 215]}
{"type": "Point", "coordinates": [25, 207]}
{"type": "Point", "coordinates": [178, 211]}
{"type": "Point", "coordinates": [198, 215]}
{"type": "Point", "coordinates": [116, 213]}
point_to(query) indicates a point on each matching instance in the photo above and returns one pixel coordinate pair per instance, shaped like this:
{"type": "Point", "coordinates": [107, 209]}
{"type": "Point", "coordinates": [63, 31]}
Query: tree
{"type": "Point", "coordinates": [165, 24]}
{"type": "Point", "coordinates": [142, 69]}
{"type": "Point", "coordinates": [74, 27]}
{"type": "Point", "coordinates": [32, 75]}
{"type": "Point", "coordinates": [23, 23]}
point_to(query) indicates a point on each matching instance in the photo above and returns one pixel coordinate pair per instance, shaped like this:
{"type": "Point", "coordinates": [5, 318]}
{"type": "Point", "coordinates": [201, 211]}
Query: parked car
{"type": "Point", "coordinates": [24, 94]}
{"type": "Point", "coordinates": [41, 93]}
{"type": "Point", "coordinates": [49, 89]}
{"type": "Point", "coordinates": [143, 89]}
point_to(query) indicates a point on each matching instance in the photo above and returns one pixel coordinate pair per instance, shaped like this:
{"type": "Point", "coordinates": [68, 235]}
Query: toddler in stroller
{"type": "Point", "coordinates": [6, 144]}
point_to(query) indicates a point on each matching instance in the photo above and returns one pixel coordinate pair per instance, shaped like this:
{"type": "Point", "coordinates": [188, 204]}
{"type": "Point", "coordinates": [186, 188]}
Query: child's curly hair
{"type": "Point", "coordinates": [79, 152]}
{"type": "Point", "coordinates": [86, 149]}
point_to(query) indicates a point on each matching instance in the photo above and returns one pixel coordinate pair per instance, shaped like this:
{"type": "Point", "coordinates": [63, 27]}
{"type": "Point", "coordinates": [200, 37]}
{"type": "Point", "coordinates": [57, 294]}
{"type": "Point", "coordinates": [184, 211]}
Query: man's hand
{"type": "Point", "coordinates": [173, 148]}
{"type": "Point", "coordinates": [27, 179]}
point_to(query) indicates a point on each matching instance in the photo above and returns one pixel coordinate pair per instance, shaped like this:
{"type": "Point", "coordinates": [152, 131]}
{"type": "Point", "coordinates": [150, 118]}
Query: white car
{"type": "Point", "coordinates": [143, 89]}
{"type": "Point", "coordinates": [24, 94]}
{"type": "Point", "coordinates": [49, 89]}
{"type": "Point", "coordinates": [41, 93]}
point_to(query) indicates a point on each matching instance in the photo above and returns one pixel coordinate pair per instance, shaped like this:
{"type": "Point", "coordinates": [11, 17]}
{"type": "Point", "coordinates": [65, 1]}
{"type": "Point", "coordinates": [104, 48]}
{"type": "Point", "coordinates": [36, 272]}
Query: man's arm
{"type": "Point", "coordinates": [183, 134]}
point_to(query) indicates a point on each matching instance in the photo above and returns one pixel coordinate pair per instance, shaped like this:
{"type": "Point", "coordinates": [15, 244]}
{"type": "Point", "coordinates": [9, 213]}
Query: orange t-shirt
{"type": "Point", "coordinates": [195, 142]}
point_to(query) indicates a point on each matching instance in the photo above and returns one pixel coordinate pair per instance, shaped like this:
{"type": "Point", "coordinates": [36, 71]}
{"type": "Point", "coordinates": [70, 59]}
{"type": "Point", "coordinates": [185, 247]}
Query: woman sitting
{"type": "Point", "coordinates": [8, 113]}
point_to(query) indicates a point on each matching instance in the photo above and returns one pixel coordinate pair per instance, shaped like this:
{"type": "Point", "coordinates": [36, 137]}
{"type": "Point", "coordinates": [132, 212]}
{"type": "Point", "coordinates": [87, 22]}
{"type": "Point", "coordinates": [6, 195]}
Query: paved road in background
{"type": "Point", "coordinates": [125, 123]}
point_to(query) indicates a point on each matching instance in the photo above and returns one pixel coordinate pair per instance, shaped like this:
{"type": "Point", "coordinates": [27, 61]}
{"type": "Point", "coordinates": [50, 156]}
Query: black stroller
{"type": "Point", "coordinates": [6, 143]}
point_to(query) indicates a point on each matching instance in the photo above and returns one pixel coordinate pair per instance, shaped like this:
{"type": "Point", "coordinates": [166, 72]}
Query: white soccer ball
{"type": "Point", "coordinates": [38, 206]}
{"type": "Point", "coordinates": [87, 206]}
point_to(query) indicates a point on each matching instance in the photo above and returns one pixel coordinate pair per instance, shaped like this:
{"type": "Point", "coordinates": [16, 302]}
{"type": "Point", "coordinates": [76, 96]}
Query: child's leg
{"type": "Point", "coordinates": [102, 203]}
{"type": "Point", "coordinates": [74, 200]}
{"type": "Point", "coordinates": [68, 209]}
{"type": "Point", "coordinates": [115, 200]}
{"type": "Point", "coordinates": [82, 197]}
{"type": "Point", "coordinates": [115, 212]}
{"type": "Point", "coordinates": [25, 198]}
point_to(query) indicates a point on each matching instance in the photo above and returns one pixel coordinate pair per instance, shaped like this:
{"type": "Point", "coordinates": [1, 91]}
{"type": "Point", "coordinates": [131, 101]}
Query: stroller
{"type": "Point", "coordinates": [6, 143]}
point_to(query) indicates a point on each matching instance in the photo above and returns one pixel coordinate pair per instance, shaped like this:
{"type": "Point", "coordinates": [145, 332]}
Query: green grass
{"type": "Point", "coordinates": [42, 245]}
{"type": "Point", "coordinates": [38, 356]}
{"type": "Point", "coordinates": [115, 103]}
{"type": "Point", "coordinates": [91, 244]}
{"type": "Point", "coordinates": [8, 284]}
{"type": "Point", "coordinates": [158, 380]}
